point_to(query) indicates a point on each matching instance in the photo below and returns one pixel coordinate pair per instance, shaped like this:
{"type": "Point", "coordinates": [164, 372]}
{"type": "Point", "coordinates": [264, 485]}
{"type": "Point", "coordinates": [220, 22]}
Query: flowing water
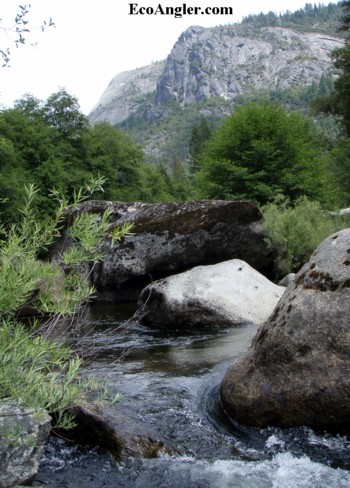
{"type": "Point", "coordinates": [169, 381]}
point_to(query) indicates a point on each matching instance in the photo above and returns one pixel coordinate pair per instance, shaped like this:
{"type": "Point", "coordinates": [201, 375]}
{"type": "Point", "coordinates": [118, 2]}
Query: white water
{"type": "Point", "coordinates": [170, 382]}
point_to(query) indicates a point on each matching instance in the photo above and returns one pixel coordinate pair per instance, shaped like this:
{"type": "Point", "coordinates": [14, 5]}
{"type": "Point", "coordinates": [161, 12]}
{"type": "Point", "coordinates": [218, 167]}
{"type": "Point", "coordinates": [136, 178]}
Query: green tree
{"type": "Point", "coordinates": [111, 152]}
{"type": "Point", "coordinates": [61, 111]}
{"type": "Point", "coordinates": [337, 104]}
{"type": "Point", "coordinates": [261, 151]}
{"type": "Point", "coordinates": [339, 164]}
{"type": "Point", "coordinates": [178, 181]}
{"type": "Point", "coordinates": [155, 186]}
{"type": "Point", "coordinates": [201, 133]}
{"type": "Point", "coordinates": [338, 101]}
{"type": "Point", "coordinates": [51, 144]}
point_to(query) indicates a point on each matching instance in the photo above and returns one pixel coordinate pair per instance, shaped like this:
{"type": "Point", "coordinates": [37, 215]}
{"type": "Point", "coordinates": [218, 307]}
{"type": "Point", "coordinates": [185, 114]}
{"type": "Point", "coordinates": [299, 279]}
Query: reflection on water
{"type": "Point", "coordinates": [147, 349]}
{"type": "Point", "coordinates": [170, 381]}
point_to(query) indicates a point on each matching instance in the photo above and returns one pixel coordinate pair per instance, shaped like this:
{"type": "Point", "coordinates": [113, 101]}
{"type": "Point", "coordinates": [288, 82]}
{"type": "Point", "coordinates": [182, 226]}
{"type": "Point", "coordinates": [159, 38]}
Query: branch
{"type": "Point", "coordinates": [21, 30]}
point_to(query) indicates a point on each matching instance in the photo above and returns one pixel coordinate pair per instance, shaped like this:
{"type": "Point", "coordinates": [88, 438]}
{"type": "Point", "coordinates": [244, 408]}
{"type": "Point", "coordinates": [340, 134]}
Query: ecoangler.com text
{"type": "Point", "coordinates": [179, 11]}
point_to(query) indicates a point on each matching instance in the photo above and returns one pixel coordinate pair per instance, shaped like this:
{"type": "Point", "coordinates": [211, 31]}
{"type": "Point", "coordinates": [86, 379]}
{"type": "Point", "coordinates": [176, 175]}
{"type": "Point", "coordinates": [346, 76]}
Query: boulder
{"type": "Point", "coordinates": [117, 430]}
{"type": "Point", "coordinates": [297, 370]}
{"type": "Point", "coordinates": [23, 435]}
{"type": "Point", "coordinates": [287, 279]}
{"type": "Point", "coordinates": [224, 294]}
{"type": "Point", "coordinates": [169, 238]}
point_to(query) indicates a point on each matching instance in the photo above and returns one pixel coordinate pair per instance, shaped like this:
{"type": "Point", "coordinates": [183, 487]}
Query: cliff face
{"type": "Point", "coordinates": [227, 61]}
{"type": "Point", "coordinates": [223, 62]}
{"type": "Point", "coordinates": [122, 96]}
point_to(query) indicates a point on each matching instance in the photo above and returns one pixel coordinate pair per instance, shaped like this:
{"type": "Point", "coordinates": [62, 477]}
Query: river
{"type": "Point", "coordinates": [170, 380]}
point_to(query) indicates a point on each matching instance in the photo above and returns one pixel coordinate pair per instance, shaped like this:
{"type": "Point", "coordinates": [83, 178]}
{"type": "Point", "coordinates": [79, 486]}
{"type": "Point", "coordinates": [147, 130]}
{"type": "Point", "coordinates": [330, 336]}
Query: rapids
{"type": "Point", "coordinates": [169, 380]}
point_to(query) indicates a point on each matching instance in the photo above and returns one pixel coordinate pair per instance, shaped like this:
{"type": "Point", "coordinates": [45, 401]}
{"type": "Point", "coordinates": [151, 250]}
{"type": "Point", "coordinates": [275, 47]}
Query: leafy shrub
{"type": "Point", "coordinates": [37, 371]}
{"type": "Point", "coordinates": [296, 230]}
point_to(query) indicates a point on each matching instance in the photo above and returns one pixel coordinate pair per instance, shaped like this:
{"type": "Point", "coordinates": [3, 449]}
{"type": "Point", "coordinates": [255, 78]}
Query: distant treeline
{"type": "Point", "coordinates": [312, 16]}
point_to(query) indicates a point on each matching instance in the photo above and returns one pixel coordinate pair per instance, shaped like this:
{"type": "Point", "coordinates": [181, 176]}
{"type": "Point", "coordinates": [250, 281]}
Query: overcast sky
{"type": "Point", "coordinates": [95, 40]}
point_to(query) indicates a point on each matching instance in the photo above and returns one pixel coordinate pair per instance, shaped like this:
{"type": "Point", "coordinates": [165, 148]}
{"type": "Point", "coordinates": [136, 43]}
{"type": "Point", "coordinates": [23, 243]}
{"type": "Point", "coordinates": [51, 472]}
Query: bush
{"type": "Point", "coordinates": [296, 230]}
{"type": "Point", "coordinates": [35, 370]}
{"type": "Point", "coordinates": [39, 373]}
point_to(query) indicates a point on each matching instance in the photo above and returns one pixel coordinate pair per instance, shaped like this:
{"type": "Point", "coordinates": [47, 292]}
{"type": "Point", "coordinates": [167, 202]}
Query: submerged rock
{"type": "Point", "coordinates": [297, 370]}
{"type": "Point", "coordinates": [115, 430]}
{"type": "Point", "coordinates": [169, 238]}
{"type": "Point", "coordinates": [224, 294]}
{"type": "Point", "coordinates": [23, 434]}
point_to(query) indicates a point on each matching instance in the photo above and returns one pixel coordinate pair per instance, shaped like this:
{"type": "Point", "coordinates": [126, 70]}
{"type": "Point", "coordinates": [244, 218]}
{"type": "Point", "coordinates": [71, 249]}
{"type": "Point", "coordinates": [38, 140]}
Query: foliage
{"type": "Point", "coordinates": [297, 229]}
{"type": "Point", "coordinates": [261, 151]}
{"type": "Point", "coordinates": [167, 135]}
{"type": "Point", "coordinates": [338, 101]}
{"type": "Point", "coordinates": [110, 151]}
{"type": "Point", "coordinates": [24, 278]}
{"type": "Point", "coordinates": [34, 370]}
{"type": "Point", "coordinates": [339, 164]}
{"type": "Point", "coordinates": [20, 30]}
{"type": "Point", "coordinates": [317, 17]}
{"type": "Point", "coordinates": [39, 373]}
{"type": "Point", "coordinates": [51, 144]}
{"type": "Point", "coordinates": [337, 105]}
{"type": "Point", "coordinates": [341, 94]}
{"type": "Point", "coordinates": [201, 133]}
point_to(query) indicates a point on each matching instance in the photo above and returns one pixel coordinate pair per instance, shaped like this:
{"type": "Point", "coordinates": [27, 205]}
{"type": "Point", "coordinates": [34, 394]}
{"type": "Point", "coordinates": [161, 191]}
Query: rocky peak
{"type": "Point", "coordinates": [121, 97]}
{"type": "Point", "coordinates": [222, 61]}
{"type": "Point", "coordinates": [229, 60]}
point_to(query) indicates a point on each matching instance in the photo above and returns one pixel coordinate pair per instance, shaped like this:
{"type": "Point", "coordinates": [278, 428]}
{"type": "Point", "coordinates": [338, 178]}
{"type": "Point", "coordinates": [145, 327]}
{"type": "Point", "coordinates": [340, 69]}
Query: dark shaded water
{"type": "Point", "coordinates": [169, 381]}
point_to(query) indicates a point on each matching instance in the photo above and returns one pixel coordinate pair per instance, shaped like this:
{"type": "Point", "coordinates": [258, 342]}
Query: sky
{"type": "Point", "coordinates": [93, 41]}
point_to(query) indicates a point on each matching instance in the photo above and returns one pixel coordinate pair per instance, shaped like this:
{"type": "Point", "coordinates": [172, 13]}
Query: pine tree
{"type": "Point", "coordinates": [200, 135]}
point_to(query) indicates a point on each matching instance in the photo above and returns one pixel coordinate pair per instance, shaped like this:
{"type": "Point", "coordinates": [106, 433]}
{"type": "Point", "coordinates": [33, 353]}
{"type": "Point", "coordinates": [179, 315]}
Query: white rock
{"type": "Point", "coordinates": [228, 293]}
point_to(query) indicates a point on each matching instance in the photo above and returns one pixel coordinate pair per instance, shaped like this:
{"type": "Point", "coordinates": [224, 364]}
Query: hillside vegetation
{"type": "Point", "coordinates": [261, 64]}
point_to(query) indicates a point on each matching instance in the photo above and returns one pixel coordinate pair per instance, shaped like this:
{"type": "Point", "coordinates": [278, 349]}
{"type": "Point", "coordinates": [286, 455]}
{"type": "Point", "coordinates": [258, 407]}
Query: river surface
{"type": "Point", "coordinates": [170, 380]}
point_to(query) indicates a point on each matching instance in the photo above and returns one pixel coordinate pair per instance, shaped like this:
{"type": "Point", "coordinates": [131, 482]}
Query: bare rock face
{"type": "Point", "coordinates": [223, 61]}
{"type": "Point", "coordinates": [297, 370]}
{"type": "Point", "coordinates": [121, 97]}
{"type": "Point", "coordinates": [169, 238]}
{"type": "Point", "coordinates": [23, 434]}
{"type": "Point", "coordinates": [230, 293]}
{"type": "Point", "coordinates": [226, 61]}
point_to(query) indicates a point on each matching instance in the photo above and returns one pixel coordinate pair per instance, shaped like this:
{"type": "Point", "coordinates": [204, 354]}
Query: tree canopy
{"type": "Point", "coordinates": [261, 151]}
{"type": "Point", "coordinates": [51, 144]}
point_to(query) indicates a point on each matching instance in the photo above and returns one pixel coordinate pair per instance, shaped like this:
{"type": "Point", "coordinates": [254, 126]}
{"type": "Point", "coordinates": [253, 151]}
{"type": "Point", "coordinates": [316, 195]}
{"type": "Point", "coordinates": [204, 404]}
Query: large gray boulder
{"type": "Point", "coordinates": [297, 370]}
{"type": "Point", "coordinates": [169, 238]}
{"type": "Point", "coordinates": [228, 293]}
{"type": "Point", "coordinates": [23, 434]}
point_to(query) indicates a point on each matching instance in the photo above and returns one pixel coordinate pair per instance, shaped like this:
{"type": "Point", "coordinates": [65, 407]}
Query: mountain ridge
{"type": "Point", "coordinates": [221, 64]}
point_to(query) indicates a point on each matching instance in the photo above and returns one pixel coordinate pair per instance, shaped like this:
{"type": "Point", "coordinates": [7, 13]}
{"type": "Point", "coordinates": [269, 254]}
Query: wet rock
{"type": "Point", "coordinates": [224, 294]}
{"type": "Point", "coordinates": [115, 430]}
{"type": "Point", "coordinates": [169, 238]}
{"type": "Point", "coordinates": [23, 434]}
{"type": "Point", "coordinates": [297, 370]}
